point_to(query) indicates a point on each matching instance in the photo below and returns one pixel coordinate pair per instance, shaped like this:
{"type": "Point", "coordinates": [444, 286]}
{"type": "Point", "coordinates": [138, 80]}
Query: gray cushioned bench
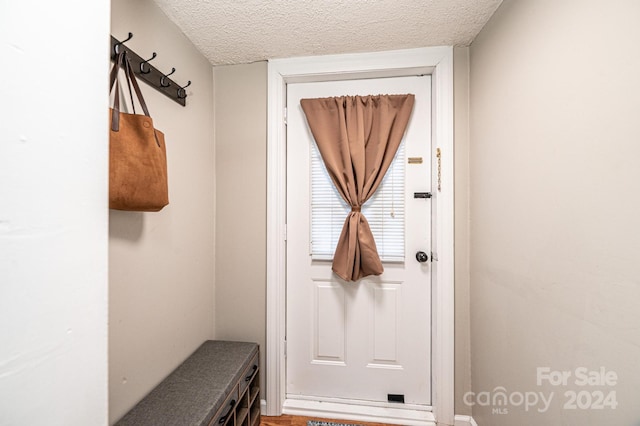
{"type": "Point", "coordinates": [217, 385]}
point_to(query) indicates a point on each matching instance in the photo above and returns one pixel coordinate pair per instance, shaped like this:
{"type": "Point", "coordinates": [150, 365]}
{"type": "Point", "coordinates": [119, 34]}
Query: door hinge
{"type": "Point", "coordinates": [285, 116]}
{"type": "Point", "coordinates": [285, 348]}
{"type": "Point", "coordinates": [285, 232]}
{"type": "Point", "coordinates": [434, 257]}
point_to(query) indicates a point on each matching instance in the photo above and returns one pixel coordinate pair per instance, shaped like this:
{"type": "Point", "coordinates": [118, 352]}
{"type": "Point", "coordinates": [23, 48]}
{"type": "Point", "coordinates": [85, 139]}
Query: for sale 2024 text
{"type": "Point", "coordinates": [583, 399]}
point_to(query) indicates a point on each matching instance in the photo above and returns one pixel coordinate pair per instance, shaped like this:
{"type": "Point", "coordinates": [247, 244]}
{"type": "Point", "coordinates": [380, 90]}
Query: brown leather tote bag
{"type": "Point", "coordinates": [137, 153]}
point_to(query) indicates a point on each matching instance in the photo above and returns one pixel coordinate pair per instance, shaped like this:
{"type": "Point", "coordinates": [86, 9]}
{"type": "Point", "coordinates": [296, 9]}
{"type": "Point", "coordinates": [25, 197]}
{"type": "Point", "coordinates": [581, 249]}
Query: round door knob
{"type": "Point", "coordinates": [421, 257]}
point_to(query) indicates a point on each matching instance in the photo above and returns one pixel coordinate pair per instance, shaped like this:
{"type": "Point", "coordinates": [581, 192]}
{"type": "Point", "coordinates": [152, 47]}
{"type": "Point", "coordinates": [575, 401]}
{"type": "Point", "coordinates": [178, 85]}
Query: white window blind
{"type": "Point", "coordinates": [384, 211]}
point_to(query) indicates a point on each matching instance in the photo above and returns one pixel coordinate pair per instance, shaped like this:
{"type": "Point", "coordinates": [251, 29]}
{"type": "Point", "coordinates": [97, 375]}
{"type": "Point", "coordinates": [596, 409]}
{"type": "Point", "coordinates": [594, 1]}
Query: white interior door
{"type": "Point", "coordinates": [359, 341]}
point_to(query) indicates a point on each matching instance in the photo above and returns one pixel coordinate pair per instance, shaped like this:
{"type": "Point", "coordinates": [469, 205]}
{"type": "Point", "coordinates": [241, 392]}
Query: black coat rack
{"type": "Point", "coordinates": [148, 73]}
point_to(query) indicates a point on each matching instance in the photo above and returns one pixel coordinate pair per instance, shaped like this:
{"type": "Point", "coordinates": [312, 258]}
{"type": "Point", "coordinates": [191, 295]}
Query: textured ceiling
{"type": "Point", "coordinates": [241, 31]}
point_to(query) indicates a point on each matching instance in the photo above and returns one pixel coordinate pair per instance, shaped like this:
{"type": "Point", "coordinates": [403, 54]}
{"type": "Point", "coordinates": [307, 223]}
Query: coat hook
{"type": "Point", "coordinates": [182, 94]}
{"type": "Point", "coordinates": [163, 83]}
{"type": "Point", "coordinates": [116, 47]}
{"type": "Point", "coordinates": [142, 71]}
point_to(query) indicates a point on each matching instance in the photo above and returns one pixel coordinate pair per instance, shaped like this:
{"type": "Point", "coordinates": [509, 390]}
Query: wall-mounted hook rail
{"type": "Point", "coordinates": [148, 73]}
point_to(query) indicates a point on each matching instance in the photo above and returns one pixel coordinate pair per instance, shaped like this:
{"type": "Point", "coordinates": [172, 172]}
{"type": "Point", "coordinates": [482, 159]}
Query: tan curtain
{"type": "Point", "coordinates": [357, 137]}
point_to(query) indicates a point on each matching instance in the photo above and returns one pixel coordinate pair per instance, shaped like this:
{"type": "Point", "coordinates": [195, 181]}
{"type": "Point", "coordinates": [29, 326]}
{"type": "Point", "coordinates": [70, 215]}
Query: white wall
{"type": "Point", "coordinates": [161, 264]}
{"type": "Point", "coordinates": [555, 240]}
{"type": "Point", "coordinates": [53, 213]}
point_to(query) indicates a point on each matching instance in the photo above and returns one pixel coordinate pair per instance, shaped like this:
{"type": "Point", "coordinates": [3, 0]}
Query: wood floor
{"type": "Point", "coordinates": [302, 421]}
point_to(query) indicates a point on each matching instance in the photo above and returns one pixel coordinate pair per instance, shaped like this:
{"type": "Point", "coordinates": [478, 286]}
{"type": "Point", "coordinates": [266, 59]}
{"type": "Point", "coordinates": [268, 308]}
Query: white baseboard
{"type": "Point", "coordinates": [358, 413]}
{"type": "Point", "coordinates": [464, 421]}
{"type": "Point", "coordinates": [263, 407]}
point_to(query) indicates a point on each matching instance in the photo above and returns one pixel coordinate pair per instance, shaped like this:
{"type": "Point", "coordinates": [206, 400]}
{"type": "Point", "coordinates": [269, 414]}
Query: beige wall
{"type": "Point", "coordinates": [241, 203]}
{"type": "Point", "coordinates": [162, 264]}
{"type": "Point", "coordinates": [461, 212]}
{"type": "Point", "coordinates": [555, 240]}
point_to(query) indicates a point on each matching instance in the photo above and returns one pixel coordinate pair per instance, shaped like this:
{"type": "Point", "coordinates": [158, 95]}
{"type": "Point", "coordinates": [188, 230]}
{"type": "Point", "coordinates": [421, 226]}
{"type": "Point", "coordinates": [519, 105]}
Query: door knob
{"type": "Point", "coordinates": [421, 257]}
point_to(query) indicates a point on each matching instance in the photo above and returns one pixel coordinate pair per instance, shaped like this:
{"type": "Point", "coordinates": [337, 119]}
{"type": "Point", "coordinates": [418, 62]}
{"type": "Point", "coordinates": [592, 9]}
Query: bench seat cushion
{"type": "Point", "coordinates": [195, 391]}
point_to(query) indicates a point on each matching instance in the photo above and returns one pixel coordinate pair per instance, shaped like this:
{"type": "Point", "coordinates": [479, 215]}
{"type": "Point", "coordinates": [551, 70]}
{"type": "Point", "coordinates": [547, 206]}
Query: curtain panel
{"type": "Point", "coordinates": [357, 137]}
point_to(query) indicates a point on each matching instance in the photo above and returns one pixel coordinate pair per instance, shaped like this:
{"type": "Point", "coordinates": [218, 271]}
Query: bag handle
{"type": "Point", "coordinates": [127, 64]}
{"type": "Point", "coordinates": [134, 81]}
{"type": "Point", "coordinates": [114, 70]}
{"type": "Point", "coordinates": [131, 80]}
{"type": "Point", "coordinates": [113, 78]}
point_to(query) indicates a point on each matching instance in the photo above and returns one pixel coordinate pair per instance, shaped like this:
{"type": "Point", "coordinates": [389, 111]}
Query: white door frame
{"type": "Point", "coordinates": [437, 61]}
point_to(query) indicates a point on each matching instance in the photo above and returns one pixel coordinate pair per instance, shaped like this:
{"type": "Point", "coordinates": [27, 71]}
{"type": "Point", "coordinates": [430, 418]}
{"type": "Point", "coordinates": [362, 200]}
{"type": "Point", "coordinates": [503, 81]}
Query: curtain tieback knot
{"type": "Point", "coordinates": [356, 208]}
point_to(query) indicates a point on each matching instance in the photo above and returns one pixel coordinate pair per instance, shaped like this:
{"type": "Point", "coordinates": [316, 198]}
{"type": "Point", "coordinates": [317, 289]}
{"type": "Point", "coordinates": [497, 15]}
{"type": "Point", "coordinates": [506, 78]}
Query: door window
{"type": "Point", "coordinates": [384, 211]}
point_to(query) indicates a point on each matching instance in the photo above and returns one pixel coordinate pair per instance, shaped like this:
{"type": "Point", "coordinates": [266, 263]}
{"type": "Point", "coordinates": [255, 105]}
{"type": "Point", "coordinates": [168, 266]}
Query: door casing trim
{"type": "Point", "coordinates": [437, 61]}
